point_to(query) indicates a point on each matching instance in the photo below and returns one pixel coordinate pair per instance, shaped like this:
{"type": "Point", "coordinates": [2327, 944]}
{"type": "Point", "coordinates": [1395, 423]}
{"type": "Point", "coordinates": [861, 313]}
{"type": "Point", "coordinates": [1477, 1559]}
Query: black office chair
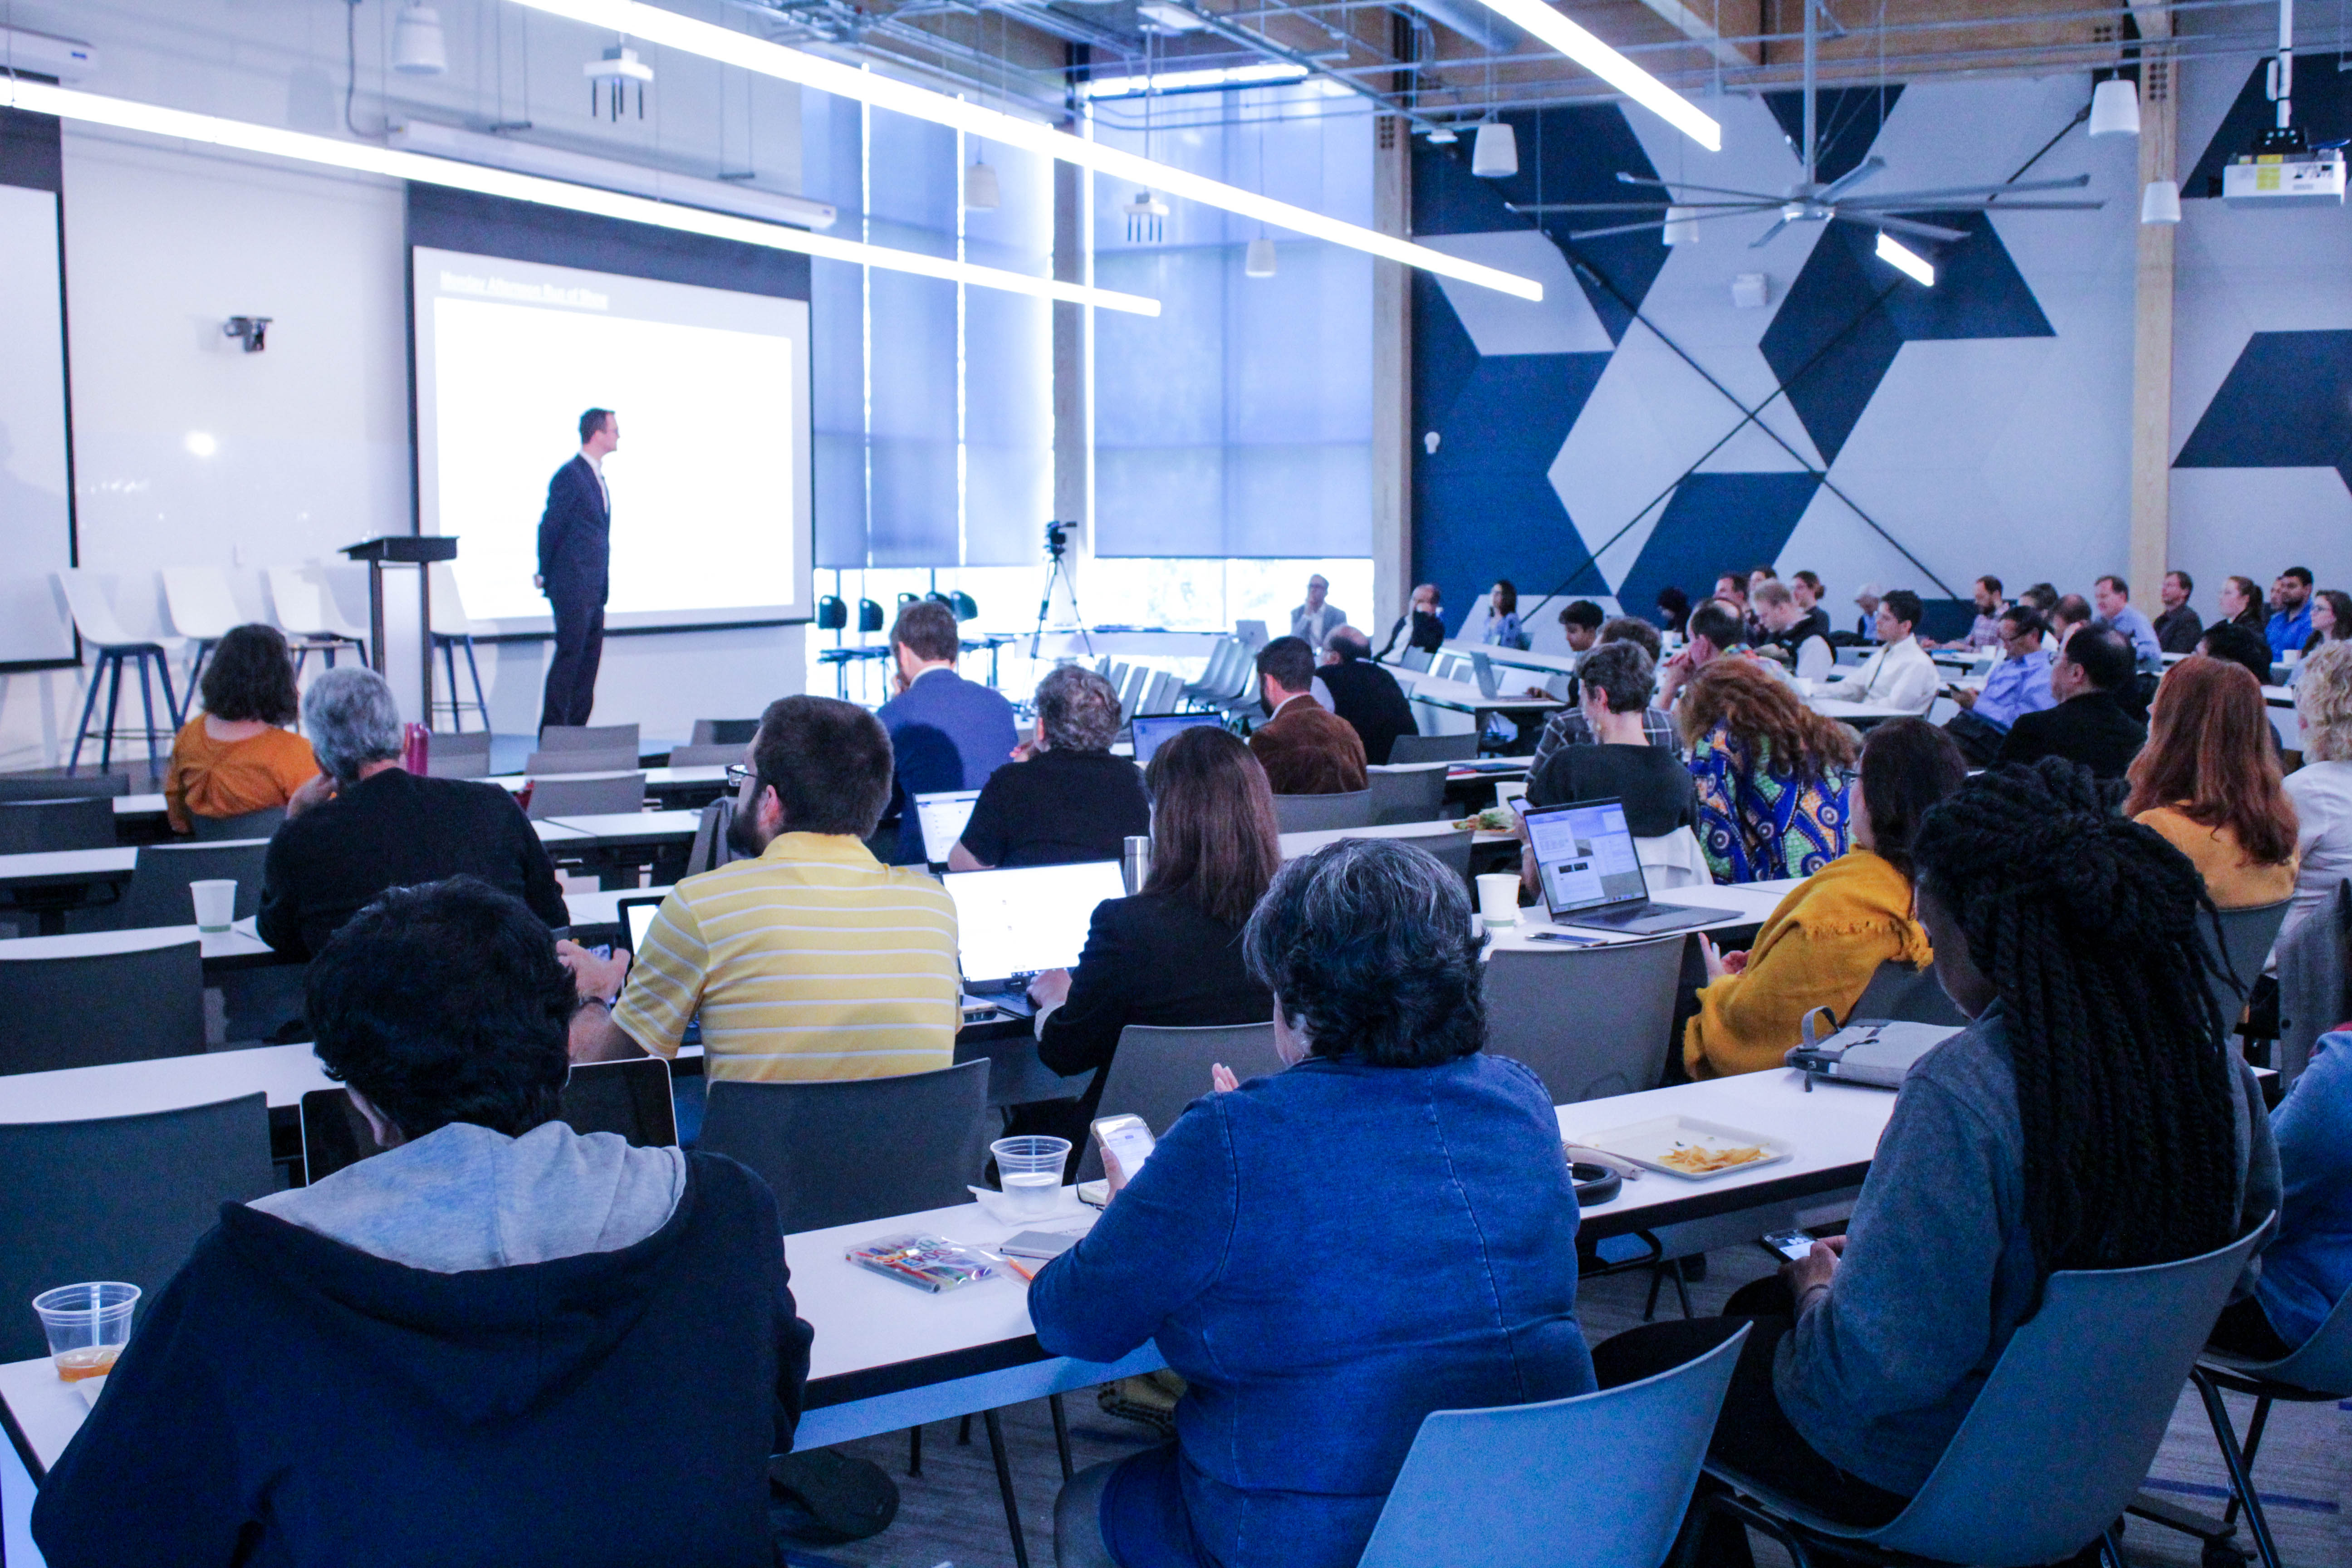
{"type": "Point", "coordinates": [126, 1007]}
{"type": "Point", "coordinates": [839, 1151]}
{"type": "Point", "coordinates": [869, 616]}
{"type": "Point", "coordinates": [450, 755]}
{"type": "Point", "coordinates": [1157, 1071]}
{"type": "Point", "coordinates": [259, 824]}
{"type": "Point", "coordinates": [832, 615]}
{"type": "Point", "coordinates": [119, 1197]}
{"type": "Point", "coordinates": [1323, 813]}
{"type": "Point", "coordinates": [1903, 994]}
{"type": "Point", "coordinates": [726, 732]}
{"type": "Point", "coordinates": [1433, 749]}
{"type": "Point", "coordinates": [157, 894]}
{"type": "Point", "coordinates": [591, 738]}
{"type": "Point", "coordinates": [26, 788]}
{"type": "Point", "coordinates": [47, 825]}
{"type": "Point", "coordinates": [965, 607]}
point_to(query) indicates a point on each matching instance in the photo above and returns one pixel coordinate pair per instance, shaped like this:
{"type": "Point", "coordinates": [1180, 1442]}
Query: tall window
{"type": "Point", "coordinates": [1237, 423]}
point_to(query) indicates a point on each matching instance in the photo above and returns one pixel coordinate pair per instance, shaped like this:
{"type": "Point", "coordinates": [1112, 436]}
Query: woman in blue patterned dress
{"type": "Point", "coordinates": [1773, 776]}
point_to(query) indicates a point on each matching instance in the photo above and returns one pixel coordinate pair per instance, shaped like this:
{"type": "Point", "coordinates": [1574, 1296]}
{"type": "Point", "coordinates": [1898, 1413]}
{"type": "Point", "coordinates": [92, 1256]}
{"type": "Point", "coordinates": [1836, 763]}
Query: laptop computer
{"type": "Point", "coordinates": [1012, 925]}
{"type": "Point", "coordinates": [1153, 731]}
{"type": "Point", "coordinates": [1489, 684]}
{"type": "Point", "coordinates": [940, 818]}
{"type": "Point", "coordinates": [630, 1097]}
{"type": "Point", "coordinates": [1591, 876]}
{"type": "Point", "coordinates": [1252, 634]}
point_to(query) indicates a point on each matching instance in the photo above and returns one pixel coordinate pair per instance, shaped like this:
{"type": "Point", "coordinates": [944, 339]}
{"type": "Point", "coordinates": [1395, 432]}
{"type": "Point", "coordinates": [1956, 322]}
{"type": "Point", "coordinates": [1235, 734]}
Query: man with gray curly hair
{"type": "Point", "coordinates": [365, 825]}
{"type": "Point", "coordinates": [1064, 797]}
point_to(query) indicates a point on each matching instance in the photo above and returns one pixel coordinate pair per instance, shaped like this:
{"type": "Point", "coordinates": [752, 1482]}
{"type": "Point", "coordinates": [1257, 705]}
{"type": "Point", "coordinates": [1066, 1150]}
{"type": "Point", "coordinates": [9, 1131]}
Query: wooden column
{"type": "Point", "coordinates": [2151, 460]}
{"type": "Point", "coordinates": [1392, 382]}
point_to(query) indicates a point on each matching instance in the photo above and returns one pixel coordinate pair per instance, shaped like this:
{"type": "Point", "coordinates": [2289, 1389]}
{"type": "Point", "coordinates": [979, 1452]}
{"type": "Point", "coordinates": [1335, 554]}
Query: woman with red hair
{"type": "Point", "coordinates": [2209, 780]}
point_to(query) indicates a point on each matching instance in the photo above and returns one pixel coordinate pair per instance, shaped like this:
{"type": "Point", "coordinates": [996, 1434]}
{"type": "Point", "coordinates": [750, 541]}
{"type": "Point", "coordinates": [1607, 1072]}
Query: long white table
{"type": "Point", "coordinates": [236, 948]}
{"type": "Point", "coordinates": [886, 1356]}
{"type": "Point", "coordinates": [1518, 658]}
{"type": "Point", "coordinates": [1463, 697]}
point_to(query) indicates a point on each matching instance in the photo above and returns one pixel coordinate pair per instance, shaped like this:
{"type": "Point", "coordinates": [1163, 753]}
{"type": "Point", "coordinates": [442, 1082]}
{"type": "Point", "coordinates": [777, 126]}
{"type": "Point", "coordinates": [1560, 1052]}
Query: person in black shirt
{"type": "Point", "coordinates": [2179, 628]}
{"type": "Point", "coordinates": [1064, 797]}
{"type": "Point", "coordinates": [2090, 725]}
{"type": "Point", "coordinates": [1364, 694]}
{"type": "Point", "coordinates": [365, 825]}
{"type": "Point", "coordinates": [1424, 623]}
{"type": "Point", "coordinates": [1171, 954]}
{"type": "Point", "coordinates": [1617, 678]}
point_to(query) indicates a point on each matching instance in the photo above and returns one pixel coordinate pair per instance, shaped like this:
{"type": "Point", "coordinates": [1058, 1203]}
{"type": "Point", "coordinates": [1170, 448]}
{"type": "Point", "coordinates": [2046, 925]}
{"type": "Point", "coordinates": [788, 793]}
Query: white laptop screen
{"type": "Point", "coordinates": [1585, 856]}
{"type": "Point", "coordinates": [1028, 919]}
{"type": "Point", "coordinates": [637, 915]}
{"type": "Point", "coordinates": [940, 818]}
{"type": "Point", "coordinates": [1153, 731]}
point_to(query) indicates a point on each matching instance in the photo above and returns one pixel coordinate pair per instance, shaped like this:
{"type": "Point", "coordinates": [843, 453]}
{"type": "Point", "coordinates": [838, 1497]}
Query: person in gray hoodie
{"type": "Point", "coordinates": [496, 1342]}
{"type": "Point", "coordinates": [2090, 1116]}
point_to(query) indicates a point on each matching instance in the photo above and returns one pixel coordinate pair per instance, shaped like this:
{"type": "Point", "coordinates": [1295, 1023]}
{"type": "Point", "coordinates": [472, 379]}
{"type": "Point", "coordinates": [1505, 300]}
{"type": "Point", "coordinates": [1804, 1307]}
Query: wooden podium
{"type": "Point", "coordinates": [417, 550]}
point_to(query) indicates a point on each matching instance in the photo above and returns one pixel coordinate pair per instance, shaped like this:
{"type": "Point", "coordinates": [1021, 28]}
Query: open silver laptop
{"type": "Point", "coordinates": [1483, 667]}
{"type": "Point", "coordinates": [1012, 925]}
{"type": "Point", "coordinates": [940, 818]}
{"type": "Point", "coordinates": [1592, 874]}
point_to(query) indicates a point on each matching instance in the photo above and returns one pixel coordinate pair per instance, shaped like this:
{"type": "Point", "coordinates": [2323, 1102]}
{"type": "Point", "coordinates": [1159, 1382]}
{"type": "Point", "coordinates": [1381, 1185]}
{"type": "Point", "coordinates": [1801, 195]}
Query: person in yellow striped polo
{"type": "Point", "coordinates": [809, 959]}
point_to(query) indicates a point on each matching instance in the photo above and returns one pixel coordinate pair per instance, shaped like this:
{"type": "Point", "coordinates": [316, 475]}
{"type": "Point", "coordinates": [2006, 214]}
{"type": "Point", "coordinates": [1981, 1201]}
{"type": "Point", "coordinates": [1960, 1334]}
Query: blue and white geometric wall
{"type": "Point", "coordinates": [1932, 434]}
{"type": "Point", "coordinates": [2262, 390]}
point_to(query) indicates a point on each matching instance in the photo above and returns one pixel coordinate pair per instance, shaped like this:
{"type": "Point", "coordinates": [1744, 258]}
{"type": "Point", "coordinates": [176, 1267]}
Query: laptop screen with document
{"type": "Point", "coordinates": [940, 818]}
{"type": "Point", "coordinates": [1024, 919]}
{"type": "Point", "coordinates": [1584, 856]}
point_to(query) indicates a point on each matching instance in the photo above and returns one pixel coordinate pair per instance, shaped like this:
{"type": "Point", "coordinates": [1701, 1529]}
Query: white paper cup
{"type": "Point", "coordinates": [1498, 898]}
{"type": "Point", "coordinates": [215, 902]}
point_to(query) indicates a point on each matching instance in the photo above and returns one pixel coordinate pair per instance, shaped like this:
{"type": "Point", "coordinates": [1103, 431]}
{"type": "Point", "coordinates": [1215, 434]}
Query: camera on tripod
{"type": "Point", "coordinates": [1057, 539]}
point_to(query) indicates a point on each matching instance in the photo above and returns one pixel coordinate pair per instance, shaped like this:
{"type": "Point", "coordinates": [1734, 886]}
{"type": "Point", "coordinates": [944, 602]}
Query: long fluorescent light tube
{"type": "Point", "coordinates": [1271, 74]}
{"type": "Point", "coordinates": [728, 47]}
{"type": "Point", "coordinates": [66, 103]}
{"type": "Point", "coordinates": [1610, 66]}
{"type": "Point", "coordinates": [1904, 259]}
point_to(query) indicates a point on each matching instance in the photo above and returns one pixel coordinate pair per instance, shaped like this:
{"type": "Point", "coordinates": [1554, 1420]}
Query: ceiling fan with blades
{"type": "Point", "coordinates": [1811, 201]}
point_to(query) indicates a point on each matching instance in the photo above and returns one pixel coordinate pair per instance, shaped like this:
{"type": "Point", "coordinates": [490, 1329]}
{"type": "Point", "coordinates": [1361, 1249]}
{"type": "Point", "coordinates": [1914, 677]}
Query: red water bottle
{"type": "Point", "coordinates": [416, 748]}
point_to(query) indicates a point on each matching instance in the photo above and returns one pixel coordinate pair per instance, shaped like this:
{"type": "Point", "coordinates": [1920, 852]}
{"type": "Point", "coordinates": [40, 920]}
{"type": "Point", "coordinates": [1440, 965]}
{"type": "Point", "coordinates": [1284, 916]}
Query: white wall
{"type": "Point", "coordinates": [309, 439]}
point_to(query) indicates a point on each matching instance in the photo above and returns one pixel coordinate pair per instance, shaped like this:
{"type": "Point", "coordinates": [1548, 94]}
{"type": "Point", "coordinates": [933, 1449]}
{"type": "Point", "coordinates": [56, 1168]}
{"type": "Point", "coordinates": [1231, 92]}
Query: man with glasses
{"type": "Point", "coordinates": [2019, 684]}
{"type": "Point", "coordinates": [808, 958]}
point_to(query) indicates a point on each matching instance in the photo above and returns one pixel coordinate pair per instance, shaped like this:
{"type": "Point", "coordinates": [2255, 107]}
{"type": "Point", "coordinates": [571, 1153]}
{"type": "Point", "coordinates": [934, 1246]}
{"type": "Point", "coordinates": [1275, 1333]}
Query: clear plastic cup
{"type": "Point", "coordinates": [88, 1326]}
{"type": "Point", "coordinates": [215, 902]}
{"type": "Point", "coordinates": [1029, 1168]}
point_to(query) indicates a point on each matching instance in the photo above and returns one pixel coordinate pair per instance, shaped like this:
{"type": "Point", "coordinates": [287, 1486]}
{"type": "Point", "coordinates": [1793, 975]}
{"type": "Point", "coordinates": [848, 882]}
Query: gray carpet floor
{"type": "Point", "coordinates": [952, 1515]}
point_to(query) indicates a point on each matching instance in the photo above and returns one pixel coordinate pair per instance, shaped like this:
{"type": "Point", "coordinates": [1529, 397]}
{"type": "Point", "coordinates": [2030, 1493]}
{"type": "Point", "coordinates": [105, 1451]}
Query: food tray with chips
{"type": "Point", "coordinates": [1688, 1147]}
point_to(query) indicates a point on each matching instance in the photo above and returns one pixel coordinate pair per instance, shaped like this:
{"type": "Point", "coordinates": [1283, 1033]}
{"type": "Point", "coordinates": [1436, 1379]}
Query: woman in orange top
{"type": "Point", "coordinates": [234, 756]}
{"type": "Point", "coordinates": [2207, 780]}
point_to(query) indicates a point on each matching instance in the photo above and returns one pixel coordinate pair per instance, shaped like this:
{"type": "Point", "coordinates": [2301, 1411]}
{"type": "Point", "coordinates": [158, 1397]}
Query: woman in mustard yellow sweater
{"type": "Point", "coordinates": [1829, 936]}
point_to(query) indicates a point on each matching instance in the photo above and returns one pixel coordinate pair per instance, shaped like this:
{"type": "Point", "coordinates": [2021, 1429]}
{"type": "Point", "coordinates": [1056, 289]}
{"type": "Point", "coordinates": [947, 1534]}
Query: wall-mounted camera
{"type": "Point", "coordinates": [250, 331]}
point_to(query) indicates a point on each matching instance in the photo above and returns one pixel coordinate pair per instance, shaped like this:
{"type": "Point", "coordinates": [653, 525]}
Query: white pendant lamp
{"type": "Point", "coordinates": [418, 48]}
{"type": "Point", "coordinates": [1258, 261]}
{"type": "Point", "coordinates": [1682, 225]}
{"type": "Point", "coordinates": [980, 191]}
{"type": "Point", "coordinates": [1495, 156]}
{"type": "Point", "coordinates": [2159, 201]}
{"type": "Point", "coordinates": [2114, 107]}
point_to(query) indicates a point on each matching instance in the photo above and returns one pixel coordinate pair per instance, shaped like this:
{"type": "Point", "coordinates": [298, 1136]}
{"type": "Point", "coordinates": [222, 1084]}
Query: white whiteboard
{"type": "Point", "coordinates": [35, 528]}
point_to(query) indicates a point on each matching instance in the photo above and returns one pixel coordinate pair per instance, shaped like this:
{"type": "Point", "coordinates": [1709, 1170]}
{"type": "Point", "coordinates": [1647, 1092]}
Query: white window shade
{"type": "Point", "coordinates": [1239, 423]}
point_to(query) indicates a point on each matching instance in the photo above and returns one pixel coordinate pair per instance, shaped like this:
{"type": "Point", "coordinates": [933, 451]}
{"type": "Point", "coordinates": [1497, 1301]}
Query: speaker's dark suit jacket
{"type": "Point", "coordinates": [575, 537]}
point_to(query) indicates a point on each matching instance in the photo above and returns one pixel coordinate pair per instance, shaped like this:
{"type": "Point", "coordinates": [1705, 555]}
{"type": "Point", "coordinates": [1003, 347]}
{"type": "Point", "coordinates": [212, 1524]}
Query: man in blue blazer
{"type": "Point", "coordinates": [574, 570]}
{"type": "Point", "coordinates": [945, 732]}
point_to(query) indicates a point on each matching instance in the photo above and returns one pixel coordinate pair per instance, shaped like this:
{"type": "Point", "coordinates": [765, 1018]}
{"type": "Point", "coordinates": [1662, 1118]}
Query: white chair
{"type": "Point", "coordinates": [203, 610]}
{"type": "Point", "coordinates": [451, 631]}
{"type": "Point", "coordinates": [1672, 861]}
{"type": "Point", "coordinates": [95, 620]}
{"type": "Point", "coordinates": [306, 613]}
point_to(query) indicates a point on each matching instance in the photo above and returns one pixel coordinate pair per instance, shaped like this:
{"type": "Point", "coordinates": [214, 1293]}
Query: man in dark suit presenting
{"type": "Point", "coordinates": [574, 557]}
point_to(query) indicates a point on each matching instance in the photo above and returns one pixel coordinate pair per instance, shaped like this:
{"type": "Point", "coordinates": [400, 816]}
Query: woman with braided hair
{"type": "Point", "coordinates": [2089, 1118]}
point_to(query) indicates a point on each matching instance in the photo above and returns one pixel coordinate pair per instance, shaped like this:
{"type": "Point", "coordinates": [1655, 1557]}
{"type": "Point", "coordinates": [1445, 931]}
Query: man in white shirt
{"type": "Point", "coordinates": [1317, 619]}
{"type": "Point", "coordinates": [1900, 674]}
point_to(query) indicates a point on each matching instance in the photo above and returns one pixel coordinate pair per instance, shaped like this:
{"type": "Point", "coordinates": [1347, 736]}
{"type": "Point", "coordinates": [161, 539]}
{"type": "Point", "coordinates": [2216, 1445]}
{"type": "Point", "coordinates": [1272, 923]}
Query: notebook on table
{"type": "Point", "coordinates": [1592, 874]}
{"type": "Point", "coordinates": [1012, 925]}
